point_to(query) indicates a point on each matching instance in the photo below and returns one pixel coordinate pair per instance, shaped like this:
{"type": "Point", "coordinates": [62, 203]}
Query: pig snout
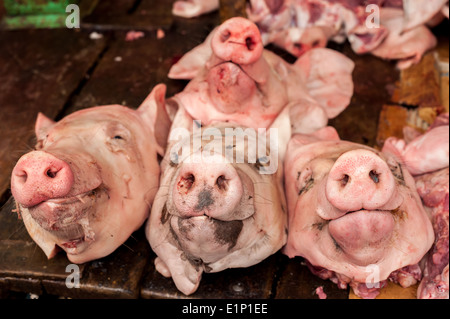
{"type": "Point", "coordinates": [360, 179]}
{"type": "Point", "coordinates": [238, 40]}
{"type": "Point", "coordinates": [39, 176]}
{"type": "Point", "coordinates": [208, 189]}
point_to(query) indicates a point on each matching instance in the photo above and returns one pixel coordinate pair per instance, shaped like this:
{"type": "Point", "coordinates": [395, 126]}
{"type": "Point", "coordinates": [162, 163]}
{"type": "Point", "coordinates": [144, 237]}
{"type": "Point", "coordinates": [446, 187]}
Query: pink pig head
{"type": "Point", "coordinates": [91, 180]}
{"type": "Point", "coordinates": [352, 209]}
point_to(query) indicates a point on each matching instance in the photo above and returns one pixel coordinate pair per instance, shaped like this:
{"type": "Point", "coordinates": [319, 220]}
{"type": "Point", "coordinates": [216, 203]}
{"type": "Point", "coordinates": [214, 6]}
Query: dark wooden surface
{"type": "Point", "coordinates": [60, 71]}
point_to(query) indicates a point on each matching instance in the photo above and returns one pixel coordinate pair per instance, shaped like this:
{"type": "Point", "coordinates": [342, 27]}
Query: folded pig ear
{"type": "Point", "coordinates": [325, 134]}
{"type": "Point", "coordinates": [153, 112]}
{"type": "Point", "coordinates": [192, 62]}
{"type": "Point", "coordinates": [42, 126]}
{"type": "Point", "coordinates": [328, 133]}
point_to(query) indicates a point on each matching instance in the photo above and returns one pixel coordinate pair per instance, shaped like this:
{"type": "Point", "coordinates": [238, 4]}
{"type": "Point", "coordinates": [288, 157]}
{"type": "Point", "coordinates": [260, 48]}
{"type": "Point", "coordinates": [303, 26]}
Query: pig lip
{"type": "Point", "coordinates": [63, 215]}
{"type": "Point", "coordinates": [363, 230]}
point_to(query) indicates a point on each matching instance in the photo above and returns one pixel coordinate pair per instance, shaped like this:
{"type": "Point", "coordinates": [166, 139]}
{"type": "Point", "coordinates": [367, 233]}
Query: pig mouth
{"type": "Point", "coordinates": [216, 237]}
{"type": "Point", "coordinates": [67, 219]}
{"type": "Point", "coordinates": [363, 235]}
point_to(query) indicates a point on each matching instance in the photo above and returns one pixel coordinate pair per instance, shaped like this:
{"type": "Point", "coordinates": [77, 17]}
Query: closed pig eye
{"type": "Point", "coordinates": [117, 137]}
{"type": "Point", "coordinates": [305, 181]}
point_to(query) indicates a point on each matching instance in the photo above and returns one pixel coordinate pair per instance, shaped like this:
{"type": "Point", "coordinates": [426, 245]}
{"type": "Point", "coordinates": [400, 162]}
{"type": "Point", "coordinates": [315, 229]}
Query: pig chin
{"type": "Point", "coordinates": [68, 221]}
{"type": "Point", "coordinates": [205, 239]}
{"type": "Point", "coordinates": [363, 236]}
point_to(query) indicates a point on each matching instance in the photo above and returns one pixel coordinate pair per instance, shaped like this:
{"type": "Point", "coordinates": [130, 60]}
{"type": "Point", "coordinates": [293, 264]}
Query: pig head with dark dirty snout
{"type": "Point", "coordinates": [354, 212]}
{"type": "Point", "coordinates": [92, 179]}
{"type": "Point", "coordinates": [214, 211]}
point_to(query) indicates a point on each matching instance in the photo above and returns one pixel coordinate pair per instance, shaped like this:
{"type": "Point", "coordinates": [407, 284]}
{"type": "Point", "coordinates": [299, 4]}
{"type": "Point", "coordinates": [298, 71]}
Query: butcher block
{"type": "Point", "coordinates": [60, 71]}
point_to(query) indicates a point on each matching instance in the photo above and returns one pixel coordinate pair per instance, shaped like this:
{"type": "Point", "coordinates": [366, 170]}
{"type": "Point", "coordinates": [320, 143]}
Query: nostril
{"type": "Point", "coordinates": [222, 183]}
{"type": "Point", "coordinates": [51, 173]}
{"type": "Point", "coordinates": [344, 181]}
{"type": "Point", "coordinates": [250, 43]}
{"type": "Point", "coordinates": [21, 177]}
{"type": "Point", "coordinates": [225, 35]}
{"type": "Point", "coordinates": [185, 183]}
{"type": "Point", "coordinates": [374, 176]}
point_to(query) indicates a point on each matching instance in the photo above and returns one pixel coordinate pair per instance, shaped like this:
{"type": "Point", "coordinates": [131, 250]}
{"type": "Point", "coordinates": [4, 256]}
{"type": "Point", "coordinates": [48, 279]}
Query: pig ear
{"type": "Point", "coordinates": [153, 112]}
{"type": "Point", "coordinates": [325, 134]}
{"type": "Point", "coordinates": [192, 62]}
{"type": "Point", "coordinates": [42, 126]}
{"type": "Point", "coordinates": [328, 133]}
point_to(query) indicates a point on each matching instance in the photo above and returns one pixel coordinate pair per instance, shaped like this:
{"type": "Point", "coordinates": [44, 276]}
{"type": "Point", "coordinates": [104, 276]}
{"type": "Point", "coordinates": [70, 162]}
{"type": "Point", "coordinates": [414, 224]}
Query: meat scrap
{"type": "Point", "coordinates": [427, 157]}
{"type": "Point", "coordinates": [388, 29]}
{"type": "Point", "coordinates": [194, 8]}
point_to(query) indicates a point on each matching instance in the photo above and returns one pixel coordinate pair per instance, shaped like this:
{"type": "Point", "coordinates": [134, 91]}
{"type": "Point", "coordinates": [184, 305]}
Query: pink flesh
{"type": "Point", "coordinates": [419, 13]}
{"type": "Point", "coordinates": [194, 8]}
{"type": "Point", "coordinates": [299, 26]}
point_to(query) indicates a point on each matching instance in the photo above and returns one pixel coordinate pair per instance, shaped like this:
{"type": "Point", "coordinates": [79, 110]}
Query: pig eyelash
{"type": "Point", "coordinates": [397, 170]}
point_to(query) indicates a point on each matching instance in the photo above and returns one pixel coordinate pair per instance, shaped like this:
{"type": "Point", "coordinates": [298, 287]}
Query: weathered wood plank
{"type": "Point", "coordinates": [244, 283]}
{"type": "Point", "coordinates": [391, 123]}
{"type": "Point", "coordinates": [393, 291]}
{"type": "Point", "coordinates": [373, 79]}
{"type": "Point", "coordinates": [297, 282]}
{"type": "Point", "coordinates": [148, 15]}
{"type": "Point", "coordinates": [419, 85]}
{"type": "Point", "coordinates": [129, 70]}
{"type": "Point", "coordinates": [39, 69]}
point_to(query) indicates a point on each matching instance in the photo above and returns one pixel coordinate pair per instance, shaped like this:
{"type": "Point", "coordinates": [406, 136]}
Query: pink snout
{"type": "Point", "coordinates": [39, 176]}
{"type": "Point", "coordinates": [210, 189]}
{"type": "Point", "coordinates": [238, 40]}
{"type": "Point", "coordinates": [360, 179]}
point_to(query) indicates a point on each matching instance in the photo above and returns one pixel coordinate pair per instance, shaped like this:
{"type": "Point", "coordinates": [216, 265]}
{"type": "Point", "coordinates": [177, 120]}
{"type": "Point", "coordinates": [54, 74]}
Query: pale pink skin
{"type": "Point", "coordinates": [420, 12]}
{"type": "Point", "coordinates": [300, 25]}
{"type": "Point", "coordinates": [235, 80]}
{"type": "Point", "coordinates": [194, 8]}
{"type": "Point", "coordinates": [427, 158]}
{"type": "Point", "coordinates": [426, 153]}
{"type": "Point", "coordinates": [210, 216]}
{"type": "Point", "coordinates": [92, 179]}
{"type": "Point", "coordinates": [361, 208]}
{"type": "Point", "coordinates": [406, 46]}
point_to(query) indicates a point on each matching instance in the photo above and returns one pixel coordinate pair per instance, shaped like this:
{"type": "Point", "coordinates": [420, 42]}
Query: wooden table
{"type": "Point", "coordinates": [61, 71]}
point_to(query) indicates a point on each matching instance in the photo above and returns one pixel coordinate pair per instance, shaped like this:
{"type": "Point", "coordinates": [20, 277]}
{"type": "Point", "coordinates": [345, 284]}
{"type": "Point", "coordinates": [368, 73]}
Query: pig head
{"type": "Point", "coordinates": [235, 80]}
{"type": "Point", "coordinates": [352, 209]}
{"type": "Point", "coordinates": [92, 179]}
{"type": "Point", "coordinates": [212, 213]}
